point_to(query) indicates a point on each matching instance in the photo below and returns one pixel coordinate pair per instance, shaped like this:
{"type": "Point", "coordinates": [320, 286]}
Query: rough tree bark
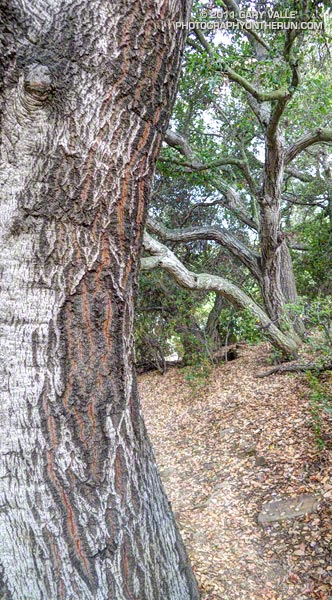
{"type": "Point", "coordinates": [87, 90]}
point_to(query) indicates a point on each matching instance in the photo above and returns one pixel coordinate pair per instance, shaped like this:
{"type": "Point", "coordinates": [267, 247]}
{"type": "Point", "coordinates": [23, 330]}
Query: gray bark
{"type": "Point", "coordinates": [87, 90]}
{"type": "Point", "coordinates": [218, 234]}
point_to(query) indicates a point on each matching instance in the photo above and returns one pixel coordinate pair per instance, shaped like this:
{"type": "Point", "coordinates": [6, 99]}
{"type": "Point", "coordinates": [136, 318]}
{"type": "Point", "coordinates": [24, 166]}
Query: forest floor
{"type": "Point", "coordinates": [226, 450]}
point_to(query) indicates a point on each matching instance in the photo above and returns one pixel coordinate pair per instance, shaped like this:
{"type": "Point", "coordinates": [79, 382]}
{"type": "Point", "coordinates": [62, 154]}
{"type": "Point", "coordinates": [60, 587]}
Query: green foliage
{"type": "Point", "coordinates": [161, 310]}
{"type": "Point", "coordinates": [318, 318]}
{"type": "Point", "coordinates": [320, 399]}
{"type": "Point", "coordinates": [213, 114]}
{"type": "Point", "coordinates": [198, 372]}
{"type": "Point", "coordinates": [237, 325]}
{"type": "Point", "coordinates": [313, 267]}
{"type": "Point", "coordinates": [171, 321]}
{"type": "Point", "coordinates": [275, 357]}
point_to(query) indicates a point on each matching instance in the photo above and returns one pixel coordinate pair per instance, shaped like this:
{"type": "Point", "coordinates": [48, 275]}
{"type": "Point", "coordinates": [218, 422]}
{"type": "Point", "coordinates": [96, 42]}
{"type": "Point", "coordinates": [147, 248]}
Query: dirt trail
{"type": "Point", "coordinates": [222, 455]}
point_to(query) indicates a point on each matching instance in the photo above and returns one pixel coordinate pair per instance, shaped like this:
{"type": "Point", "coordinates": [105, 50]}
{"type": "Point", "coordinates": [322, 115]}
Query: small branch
{"type": "Point", "coordinates": [180, 143]}
{"type": "Point", "coordinates": [299, 247]}
{"type": "Point", "coordinates": [193, 44]}
{"type": "Point", "coordinates": [197, 166]}
{"type": "Point", "coordinates": [237, 78]}
{"type": "Point", "coordinates": [280, 94]}
{"type": "Point", "coordinates": [308, 202]}
{"type": "Point", "coordinates": [250, 33]}
{"type": "Point", "coordinates": [190, 211]}
{"type": "Point", "coordinates": [291, 36]}
{"type": "Point", "coordinates": [248, 174]}
{"type": "Point", "coordinates": [234, 203]}
{"type": "Point", "coordinates": [304, 177]}
{"type": "Point", "coordinates": [232, 200]}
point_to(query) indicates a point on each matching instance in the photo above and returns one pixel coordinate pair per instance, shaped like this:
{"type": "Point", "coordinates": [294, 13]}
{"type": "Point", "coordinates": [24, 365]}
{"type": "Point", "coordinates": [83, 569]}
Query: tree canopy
{"type": "Point", "coordinates": [242, 207]}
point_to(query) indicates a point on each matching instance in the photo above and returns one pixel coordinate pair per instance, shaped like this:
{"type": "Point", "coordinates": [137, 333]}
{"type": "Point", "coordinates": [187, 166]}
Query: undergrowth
{"type": "Point", "coordinates": [320, 399]}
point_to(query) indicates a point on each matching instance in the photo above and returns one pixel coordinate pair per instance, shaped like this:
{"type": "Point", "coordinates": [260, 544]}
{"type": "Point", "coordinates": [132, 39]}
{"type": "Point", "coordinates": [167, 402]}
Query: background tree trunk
{"type": "Point", "coordinates": [213, 324]}
{"type": "Point", "coordinates": [192, 340]}
{"type": "Point", "coordinates": [278, 282]}
{"type": "Point", "coordinates": [87, 91]}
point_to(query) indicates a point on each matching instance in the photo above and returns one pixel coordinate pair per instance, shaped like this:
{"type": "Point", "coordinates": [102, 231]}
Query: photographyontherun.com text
{"type": "Point", "coordinates": [253, 25]}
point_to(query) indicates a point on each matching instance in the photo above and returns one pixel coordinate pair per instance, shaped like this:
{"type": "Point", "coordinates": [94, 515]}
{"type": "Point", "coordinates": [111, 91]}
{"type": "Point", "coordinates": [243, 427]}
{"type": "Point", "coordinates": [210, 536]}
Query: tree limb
{"type": "Point", "coordinates": [198, 166]}
{"type": "Point", "coordinates": [297, 174]}
{"type": "Point", "coordinates": [234, 203]}
{"type": "Point", "coordinates": [250, 33]}
{"type": "Point", "coordinates": [299, 247]}
{"type": "Point", "coordinates": [179, 142]}
{"type": "Point", "coordinates": [165, 259]}
{"type": "Point", "coordinates": [297, 368]}
{"type": "Point", "coordinates": [220, 235]}
{"type": "Point", "coordinates": [276, 115]}
{"type": "Point", "coordinates": [308, 202]}
{"type": "Point", "coordinates": [321, 135]}
{"type": "Point", "coordinates": [232, 200]}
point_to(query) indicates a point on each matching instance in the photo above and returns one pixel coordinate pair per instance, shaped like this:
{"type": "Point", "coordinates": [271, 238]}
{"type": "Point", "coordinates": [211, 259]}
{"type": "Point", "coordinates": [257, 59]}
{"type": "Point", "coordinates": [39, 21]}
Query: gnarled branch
{"type": "Point", "coordinates": [232, 199]}
{"type": "Point", "coordinates": [165, 259]}
{"type": "Point", "coordinates": [297, 368]}
{"type": "Point", "coordinates": [217, 234]}
{"type": "Point", "coordinates": [179, 142]}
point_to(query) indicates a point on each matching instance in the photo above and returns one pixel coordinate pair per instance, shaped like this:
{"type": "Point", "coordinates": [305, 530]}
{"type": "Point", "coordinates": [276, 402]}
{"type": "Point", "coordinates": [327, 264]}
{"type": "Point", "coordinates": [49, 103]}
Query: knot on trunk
{"type": "Point", "coordinates": [37, 85]}
{"type": "Point", "coordinates": [281, 237]}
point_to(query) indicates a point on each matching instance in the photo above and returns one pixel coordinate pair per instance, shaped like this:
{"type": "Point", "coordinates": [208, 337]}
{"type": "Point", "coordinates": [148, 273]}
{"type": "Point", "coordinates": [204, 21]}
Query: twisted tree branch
{"type": "Point", "coordinates": [220, 235]}
{"type": "Point", "coordinates": [165, 259]}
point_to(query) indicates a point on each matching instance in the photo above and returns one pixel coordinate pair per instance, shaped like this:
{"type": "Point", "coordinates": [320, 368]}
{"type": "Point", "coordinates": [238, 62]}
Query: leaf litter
{"type": "Point", "coordinates": [224, 453]}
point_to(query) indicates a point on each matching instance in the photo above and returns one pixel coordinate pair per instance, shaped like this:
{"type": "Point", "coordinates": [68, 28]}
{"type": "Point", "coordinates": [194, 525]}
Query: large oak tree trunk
{"type": "Point", "coordinates": [87, 90]}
